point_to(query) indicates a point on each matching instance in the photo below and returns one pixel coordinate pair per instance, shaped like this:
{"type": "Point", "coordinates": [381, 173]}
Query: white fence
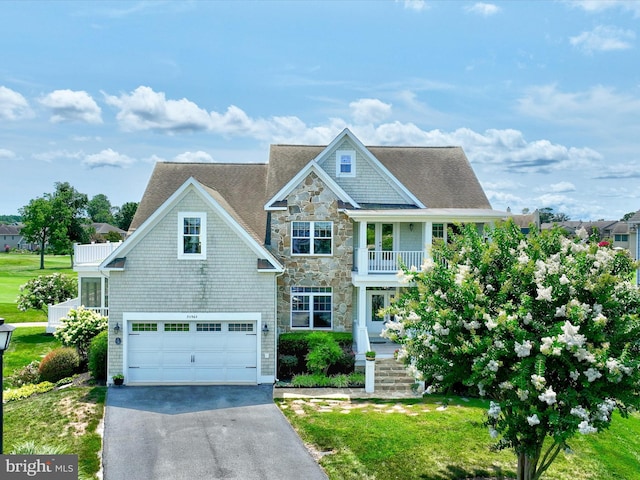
{"type": "Point", "coordinates": [93, 253]}
{"type": "Point", "coordinates": [61, 310]}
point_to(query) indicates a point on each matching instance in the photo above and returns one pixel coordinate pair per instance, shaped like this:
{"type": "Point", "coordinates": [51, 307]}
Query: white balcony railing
{"type": "Point", "coordinates": [378, 261]}
{"type": "Point", "coordinates": [59, 311]}
{"type": "Point", "coordinates": [93, 253]}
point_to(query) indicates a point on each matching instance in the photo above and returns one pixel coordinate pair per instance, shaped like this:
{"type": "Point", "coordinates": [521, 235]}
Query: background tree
{"type": "Point", "coordinates": [124, 215]}
{"type": "Point", "coordinates": [46, 219]}
{"type": "Point", "coordinates": [627, 216]}
{"type": "Point", "coordinates": [545, 326]}
{"type": "Point", "coordinates": [76, 232]}
{"type": "Point", "coordinates": [100, 210]}
{"type": "Point", "coordinates": [547, 215]}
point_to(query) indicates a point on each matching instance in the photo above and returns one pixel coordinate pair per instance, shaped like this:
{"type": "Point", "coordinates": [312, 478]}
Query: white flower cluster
{"type": "Point", "coordinates": [538, 381]}
{"type": "Point", "coordinates": [494, 410]}
{"type": "Point", "coordinates": [533, 420]}
{"type": "Point", "coordinates": [549, 396]}
{"type": "Point", "coordinates": [523, 349]}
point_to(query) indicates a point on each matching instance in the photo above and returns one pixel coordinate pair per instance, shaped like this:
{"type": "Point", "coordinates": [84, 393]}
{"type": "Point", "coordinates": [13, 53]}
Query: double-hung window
{"type": "Point", "coordinates": [311, 307]}
{"type": "Point", "coordinates": [192, 235]}
{"type": "Point", "coordinates": [345, 163]}
{"type": "Point", "coordinates": [311, 238]}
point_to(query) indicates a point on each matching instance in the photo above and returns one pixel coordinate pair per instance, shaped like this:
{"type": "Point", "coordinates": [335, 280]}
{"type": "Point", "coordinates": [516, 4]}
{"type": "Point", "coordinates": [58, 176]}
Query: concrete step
{"type": "Point", "coordinates": [392, 375]}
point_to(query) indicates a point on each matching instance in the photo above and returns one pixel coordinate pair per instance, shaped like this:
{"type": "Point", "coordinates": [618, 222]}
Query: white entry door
{"type": "Point", "coordinates": [377, 300]}
{"type": "Point", "coordinates": [174, 352]}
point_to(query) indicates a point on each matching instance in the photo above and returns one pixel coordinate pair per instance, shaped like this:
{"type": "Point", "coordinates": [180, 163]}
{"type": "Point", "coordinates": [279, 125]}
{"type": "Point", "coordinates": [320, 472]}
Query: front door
{"type": "Point", "coordinates": [376, 301]}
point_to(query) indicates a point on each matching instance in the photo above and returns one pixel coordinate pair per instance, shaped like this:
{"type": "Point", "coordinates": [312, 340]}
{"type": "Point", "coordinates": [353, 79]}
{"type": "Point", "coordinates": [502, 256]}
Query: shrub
{"type": "Point", "coordinates": [287, 365]}
{"type": "Point", "coordinates": [26, 375]}
{"type": "Point", "coordinates": [26, 391]}
{"type": "Point", "coordinates": [98, 356]}
{"type": "Point", "coordinates": [78, 329]}
{"type": "Point", "coordinates": [59, 363]}
{"type": "Point", "coordinates": [297, 344]}
{"type": "Point", "coordinates": [324, 351]}
{"type": "Point", "coordinates": [46, 290]}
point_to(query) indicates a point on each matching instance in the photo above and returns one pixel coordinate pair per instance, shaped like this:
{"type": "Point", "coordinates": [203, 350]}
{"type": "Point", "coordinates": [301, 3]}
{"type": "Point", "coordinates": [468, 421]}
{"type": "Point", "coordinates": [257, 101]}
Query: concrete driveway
{"type": "Point", "coordinates": [201, 432]}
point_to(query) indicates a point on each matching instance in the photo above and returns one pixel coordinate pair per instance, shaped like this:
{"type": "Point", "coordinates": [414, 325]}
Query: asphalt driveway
{"type": "Point", "coordinates": [201, 432]}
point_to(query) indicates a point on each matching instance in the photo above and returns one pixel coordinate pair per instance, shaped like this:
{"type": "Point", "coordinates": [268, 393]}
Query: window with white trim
{"type": "Point", "coordinates": [345, 163]}
{"type": "Point", "coordinates": [192, 235]}
{"type": "Point", "coordinates": [311, 307]}
{"type": "Point", "coordinates": [311, 238]}
{"type": "Point", "coordinates": [620, 237]}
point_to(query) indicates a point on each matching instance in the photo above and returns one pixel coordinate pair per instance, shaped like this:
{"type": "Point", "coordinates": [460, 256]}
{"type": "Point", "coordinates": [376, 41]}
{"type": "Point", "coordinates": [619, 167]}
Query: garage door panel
{"type": "Point", "coordinates": [192, 352]}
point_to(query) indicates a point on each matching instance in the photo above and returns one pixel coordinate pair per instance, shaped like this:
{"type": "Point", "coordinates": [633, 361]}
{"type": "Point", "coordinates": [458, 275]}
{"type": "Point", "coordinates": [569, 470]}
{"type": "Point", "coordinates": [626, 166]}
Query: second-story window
{"type": "Point", "coordinates": [345, 163]}
{"type": "Point", "coordinates": [311, 238]}
{"type": "Point", "coordinates": [192, 235]}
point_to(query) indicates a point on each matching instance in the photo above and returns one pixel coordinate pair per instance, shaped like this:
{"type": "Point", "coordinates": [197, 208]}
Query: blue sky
{"type": "Point", "coordinates": [544, 96]}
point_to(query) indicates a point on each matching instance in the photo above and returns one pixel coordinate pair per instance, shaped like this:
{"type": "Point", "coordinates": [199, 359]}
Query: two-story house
{"type": "Point", "coordinates": [223, 257]}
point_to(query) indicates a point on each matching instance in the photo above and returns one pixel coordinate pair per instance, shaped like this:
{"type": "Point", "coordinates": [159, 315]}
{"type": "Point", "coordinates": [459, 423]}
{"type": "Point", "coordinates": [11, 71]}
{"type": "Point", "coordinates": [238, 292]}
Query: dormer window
{"type": "Point", "coordinates": [346, 163]}
{"type": "Point", "coordinates": [192, 235]}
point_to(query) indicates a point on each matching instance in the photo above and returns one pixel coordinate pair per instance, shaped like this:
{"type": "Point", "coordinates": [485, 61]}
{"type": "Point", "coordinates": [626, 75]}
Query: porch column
{"type": "Point", "coordinates": [363, 336]}
{"type": "Point", "coordinates": [363, 255]}
{"type": "Point", "coordinates": [427, 234]}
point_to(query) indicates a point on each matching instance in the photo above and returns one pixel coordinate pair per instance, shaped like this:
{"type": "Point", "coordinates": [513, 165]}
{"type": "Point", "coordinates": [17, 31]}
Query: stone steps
{"type": "Point", "coordinates": [392, 376]}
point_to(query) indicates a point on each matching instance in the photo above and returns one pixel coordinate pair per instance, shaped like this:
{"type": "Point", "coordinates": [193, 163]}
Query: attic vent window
{"type": "Point", "coordinates": [346, 163]}
{"type": "Point", "coordinates": [192, 235]}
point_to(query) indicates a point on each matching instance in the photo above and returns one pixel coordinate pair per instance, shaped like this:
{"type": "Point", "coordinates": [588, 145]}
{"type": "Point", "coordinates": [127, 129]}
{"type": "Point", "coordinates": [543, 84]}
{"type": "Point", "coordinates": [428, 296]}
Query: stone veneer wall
{"type": "Point", "coordinates": [313, 201]}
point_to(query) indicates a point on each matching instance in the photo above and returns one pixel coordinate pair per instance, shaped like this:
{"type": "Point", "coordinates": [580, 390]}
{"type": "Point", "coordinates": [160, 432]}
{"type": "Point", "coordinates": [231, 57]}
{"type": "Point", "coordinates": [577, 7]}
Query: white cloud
{"type": "Point", "coordinates": [484, 9]}
{"type": "Point", "coordinates": [603, 39]}
{"type": "Point", "coordinates": [107, 158]}
{"type": "Point", "coordinates": [369, 110]}
{"type": "Point", "coordinates": [560, 187]}
{"type": "Point", "coordinates": [13, 106]}
{"type": "Point", "coordinates": [599, 108]}
{"type": "Point", "coordinates": [622, 170]}
{"type": "Point", "coordinates": [55, 154]}
{"type": "Point", "coordinates": [597, 6]}
{"type": "Point", "coordinates": [6, 154]}
{"type": "Point", "coordinates": [194, 157]}
{"type": "Point", "coordinates": [145, 109]}
{"type": "Point", "coordinates": [417, 5]}
{"type": "Point", "coordinates": [69, 105]}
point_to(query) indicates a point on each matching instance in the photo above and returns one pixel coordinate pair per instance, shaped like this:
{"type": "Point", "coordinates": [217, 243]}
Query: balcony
{"type": "Point", "coordinates": [386, 261]}
{"type": "Point", "coordinates": [92, 254]}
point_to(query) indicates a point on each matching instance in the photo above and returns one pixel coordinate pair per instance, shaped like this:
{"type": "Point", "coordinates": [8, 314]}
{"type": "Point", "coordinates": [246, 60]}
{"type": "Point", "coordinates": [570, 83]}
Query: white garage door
{"type": "Point", "coordinates": [191, 352]}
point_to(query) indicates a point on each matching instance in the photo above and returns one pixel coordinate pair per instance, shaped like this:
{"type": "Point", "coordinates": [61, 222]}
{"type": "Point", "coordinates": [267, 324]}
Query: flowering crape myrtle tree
{"type": "Point", "coordinates": [544, 326]}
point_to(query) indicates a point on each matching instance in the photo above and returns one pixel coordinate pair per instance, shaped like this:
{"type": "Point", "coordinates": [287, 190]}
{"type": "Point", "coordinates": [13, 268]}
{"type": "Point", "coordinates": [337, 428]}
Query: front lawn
{"type": "Point", "coordinates": [66, 418]}
{"type": "Point", "coordinates": [420, 439]}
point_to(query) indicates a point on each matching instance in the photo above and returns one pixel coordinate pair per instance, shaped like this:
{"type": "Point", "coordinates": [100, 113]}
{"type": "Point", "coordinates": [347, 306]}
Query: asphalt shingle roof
{"type": "Point", "coordinates": [440, 177]}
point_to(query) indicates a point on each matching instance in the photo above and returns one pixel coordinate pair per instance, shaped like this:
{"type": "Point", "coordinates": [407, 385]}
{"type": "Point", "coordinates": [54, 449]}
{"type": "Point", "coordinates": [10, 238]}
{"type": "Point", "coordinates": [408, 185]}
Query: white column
{"type": "Point", "coordinates": [427, 234]}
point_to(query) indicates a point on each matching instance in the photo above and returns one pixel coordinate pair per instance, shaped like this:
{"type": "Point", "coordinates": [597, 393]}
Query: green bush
{"type": "Point", "coordinates": [59, 363]}
{"type": "Point", "coordinates": [26, 391]}
{"type": "Point", "coordinates": [287, 365]}
{"type": "Point", "coordinates": [336, 381]}
{"type": "Point", "coordinates": [297, 344]}
{"type": "Point", "coordinates": [98, 356]}
{"type": "Point", "coordinates": [26, 375]}
{"type": "Point", "coordinates": [324, 351]}
{"type": "Point", "coordinates": [78, 329]}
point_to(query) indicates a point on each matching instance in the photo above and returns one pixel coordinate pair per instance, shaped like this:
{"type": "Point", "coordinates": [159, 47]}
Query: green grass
{"type": "Point", "coordinates": [15, 270]}
{"type": "Point", "coordinates": [65, 418]}
{"type": "Point", "coordinates": [27, 344]}
{"type": "Point", "coordinates": [412, 439]}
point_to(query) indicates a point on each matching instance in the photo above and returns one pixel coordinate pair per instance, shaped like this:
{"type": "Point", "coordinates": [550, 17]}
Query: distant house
{"type": "Point", "coordinates": [634, 239]}
{"type": "Point", "coordinates": [619, 234]}
{"type": "Point", "coordinates": [102, 229]}
{"type": "Point", "coordinates": [9, 237]}
{"type": "Point", "coordinates": [527, 221]}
